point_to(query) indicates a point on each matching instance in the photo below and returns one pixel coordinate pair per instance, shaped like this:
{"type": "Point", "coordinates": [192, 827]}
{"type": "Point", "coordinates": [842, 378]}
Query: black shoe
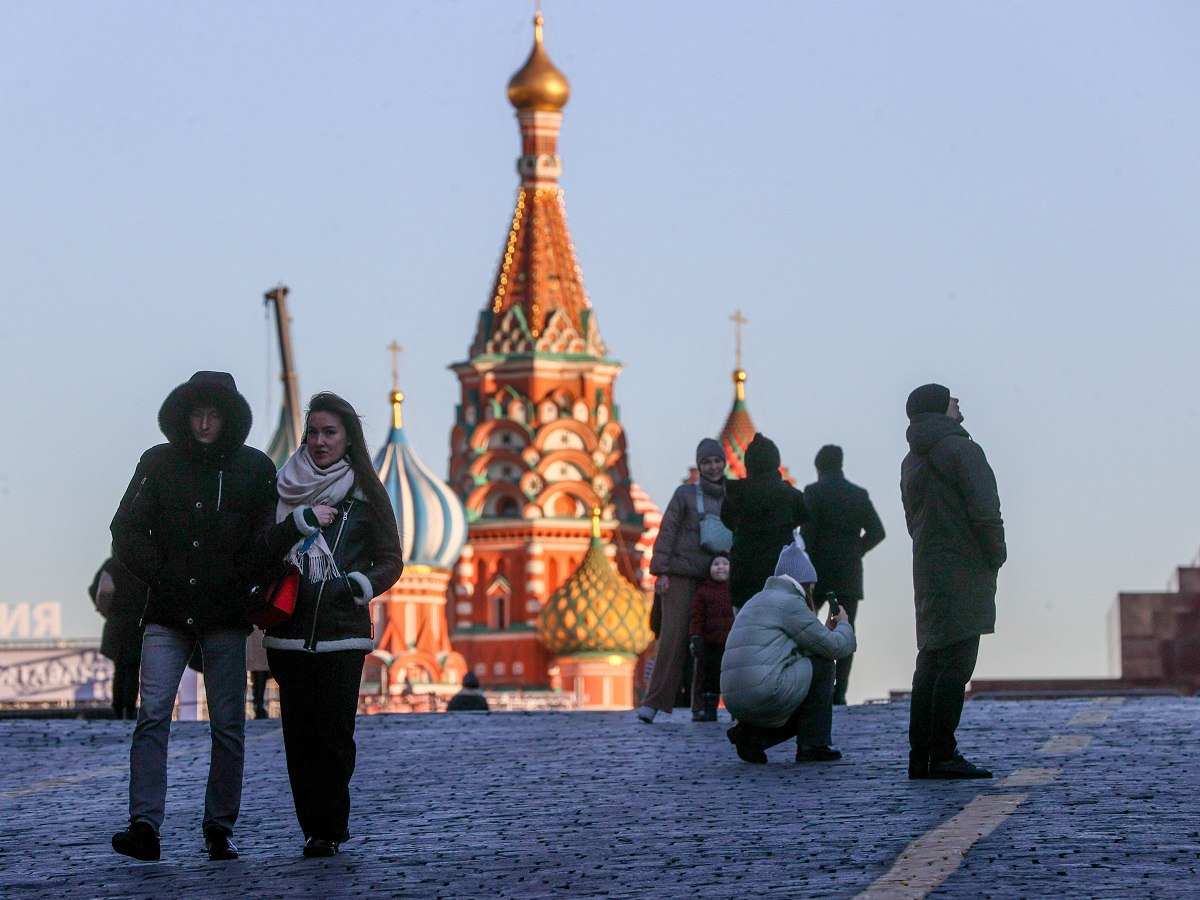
{"type": "Point", "coordinates": [316, 846]}
{"type": "Point", "coordinates": [139, 840]}
{"type": "Point", "coordinates": [806, 753]}
{"type": "Point", "coordinates": [748, 749]}
{"type": "Point", "coordinates": [958, 767]}
{"type": "Point", "coordinates": [218, 844]}
{"type": "Point", "coordinates": [918, 766]}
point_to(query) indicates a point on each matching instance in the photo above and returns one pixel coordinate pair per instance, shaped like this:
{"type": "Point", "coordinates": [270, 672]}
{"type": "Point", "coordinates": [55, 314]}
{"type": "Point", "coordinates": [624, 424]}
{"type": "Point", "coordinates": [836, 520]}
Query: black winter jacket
{"type": "Point", "coordinates": [761, 510]}
{"type": "Point", "coordinates": [952, 509]}
{"type": "Point", "coordinates": [187, 523]}
{"type": "Point", "coordinates": [842, 527]}
{"type": "Point", "coordinates": [333, 615]}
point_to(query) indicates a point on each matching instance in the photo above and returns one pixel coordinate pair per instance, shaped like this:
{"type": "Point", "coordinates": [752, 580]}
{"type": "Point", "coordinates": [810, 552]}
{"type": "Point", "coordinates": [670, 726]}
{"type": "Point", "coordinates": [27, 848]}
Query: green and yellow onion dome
{"type": "Point", "coordinates": [595, 611]}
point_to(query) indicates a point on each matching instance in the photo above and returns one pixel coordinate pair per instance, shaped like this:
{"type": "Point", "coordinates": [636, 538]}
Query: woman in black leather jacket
{"type": "Point", "coordinates": [336, 523]}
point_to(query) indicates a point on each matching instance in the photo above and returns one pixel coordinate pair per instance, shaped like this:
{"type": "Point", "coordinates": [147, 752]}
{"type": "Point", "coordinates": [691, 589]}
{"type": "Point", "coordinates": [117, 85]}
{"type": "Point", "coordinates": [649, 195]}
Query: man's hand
{"type": "Point", "coordinates": [661, 584]}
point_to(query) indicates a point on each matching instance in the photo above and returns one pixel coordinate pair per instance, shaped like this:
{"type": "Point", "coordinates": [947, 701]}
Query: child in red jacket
{"type": "Point", "coordinates": [712, 617]}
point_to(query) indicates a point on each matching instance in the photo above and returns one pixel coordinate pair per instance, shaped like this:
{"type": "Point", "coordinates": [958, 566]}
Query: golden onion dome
{"type": "Point", "coordinates": [538, 85]}
{"type": "Point", "coordinates": [596, 610]}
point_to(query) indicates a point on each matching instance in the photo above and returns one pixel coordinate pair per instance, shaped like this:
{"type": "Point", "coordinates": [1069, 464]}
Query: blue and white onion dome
{"type": "Point", "coordinates": [432, 520]}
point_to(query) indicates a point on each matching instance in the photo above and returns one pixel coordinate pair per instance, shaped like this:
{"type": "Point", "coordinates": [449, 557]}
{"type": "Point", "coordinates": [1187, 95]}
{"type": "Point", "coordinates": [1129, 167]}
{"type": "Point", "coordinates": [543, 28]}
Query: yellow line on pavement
{"type": "Point", "coordinates": [1065, 743]}
{"type": "Point", "coordinates": [937, 854]}
{"type": "Point", "coordinates": [1028, 778]}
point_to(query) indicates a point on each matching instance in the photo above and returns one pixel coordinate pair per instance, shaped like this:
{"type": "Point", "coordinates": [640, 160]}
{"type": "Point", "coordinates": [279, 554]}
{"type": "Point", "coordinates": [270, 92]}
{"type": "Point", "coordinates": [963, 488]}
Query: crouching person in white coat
{"type": "Point", "coordinates": [777, 672]}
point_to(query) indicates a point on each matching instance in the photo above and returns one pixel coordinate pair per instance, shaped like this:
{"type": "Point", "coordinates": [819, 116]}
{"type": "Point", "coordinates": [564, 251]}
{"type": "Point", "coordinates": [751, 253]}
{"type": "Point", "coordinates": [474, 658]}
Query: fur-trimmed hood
{"type": "Point", "coordinates": [206, 388]}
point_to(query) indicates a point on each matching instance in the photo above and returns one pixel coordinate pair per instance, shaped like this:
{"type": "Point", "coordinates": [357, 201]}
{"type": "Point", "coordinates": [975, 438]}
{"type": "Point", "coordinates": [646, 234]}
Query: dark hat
{"type": "Point", "coordinates": [709, 447]}
{"type": "Point", "coordinates": [829, 458]}
{"type": "Point", "coordinates": [762, 455]}
{"type": "Point", "coordinates": [470, 680]}
{"type": "Point", "coordinates": [928, 398]}
{"type": "Point", "coordinates": [206, 389]}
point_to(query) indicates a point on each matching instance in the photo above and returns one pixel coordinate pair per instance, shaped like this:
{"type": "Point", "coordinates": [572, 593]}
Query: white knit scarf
{"type": "Point", "coordinates": [302, 484]}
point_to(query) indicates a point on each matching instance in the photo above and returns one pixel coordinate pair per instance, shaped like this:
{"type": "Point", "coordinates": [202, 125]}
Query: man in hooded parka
{"type": "Point", "coordinates": [187, 527]}
{"type": "Point", "coordinates": [952, 508]}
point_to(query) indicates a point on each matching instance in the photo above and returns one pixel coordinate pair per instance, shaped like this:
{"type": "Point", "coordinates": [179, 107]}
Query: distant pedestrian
{"type": "Point", "coordinates": [680, 563]}
{"type": "Point", "coordinates": [336, 523]}
{"type": "Point", "coordinates": [842, 528]}
{"type": "Point", "coordinates": [952, 508]}
{"type": "Point", "coordinates": [186, 527]}
{"type": "Point", "coordinates": [777, 675]}
{"type": "Point", "coordinates": [470, 698]}
{"type": "Point", "coordinates": [121, 599]}
{"type": "Point", "coordinates": [761, 510]}
{"type": "Point", "coordinates": [712, 617]}
{"type": "Point", "coordinates": [260, 673]}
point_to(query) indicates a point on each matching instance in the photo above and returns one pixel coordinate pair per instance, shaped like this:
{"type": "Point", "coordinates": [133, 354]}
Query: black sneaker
{"type": "Point", "coordinates": [139, 840]}
{"type": "Point", "coordinates": [316, 846]}
{"type": "Point", "coordinates": [218, 844]}
{"type": "Point", "coordinates": [748, 750]}
{"type": "Point", "coordinates": [918, 765]}
{"type": "Point", "coordinates": [806, 753]}
{"type": "Point", "coordinates": [958, 767]}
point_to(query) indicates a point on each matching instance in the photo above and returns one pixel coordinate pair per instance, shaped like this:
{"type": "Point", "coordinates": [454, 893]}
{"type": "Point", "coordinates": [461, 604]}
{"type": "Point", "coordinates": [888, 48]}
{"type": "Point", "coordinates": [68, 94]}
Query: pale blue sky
{"type": "Point", "coordinates": [999, 196]}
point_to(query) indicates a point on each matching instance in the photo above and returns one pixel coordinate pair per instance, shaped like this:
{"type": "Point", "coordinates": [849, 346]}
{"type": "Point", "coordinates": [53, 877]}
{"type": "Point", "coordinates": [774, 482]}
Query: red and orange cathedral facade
{"type": "Point", "coordinates": [529, 564]}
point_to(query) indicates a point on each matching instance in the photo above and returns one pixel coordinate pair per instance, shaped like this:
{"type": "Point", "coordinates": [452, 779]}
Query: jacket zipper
{"type": "Point", "coordinates": [220, 484]}
{"type": "Point", "coordinates": [312, 638]}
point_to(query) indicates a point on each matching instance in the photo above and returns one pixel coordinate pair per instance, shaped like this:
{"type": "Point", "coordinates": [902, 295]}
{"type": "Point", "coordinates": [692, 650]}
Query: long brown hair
{"type": "Point", "coordinates": [366, 479]}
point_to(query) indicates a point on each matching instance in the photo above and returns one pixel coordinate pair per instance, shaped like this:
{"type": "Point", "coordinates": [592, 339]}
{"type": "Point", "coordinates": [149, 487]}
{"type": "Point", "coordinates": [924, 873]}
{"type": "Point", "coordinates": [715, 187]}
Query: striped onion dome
{"type": "Point", "coordinates": [432, 520]}
{"type": "Point", "coordinates": [596, 610]}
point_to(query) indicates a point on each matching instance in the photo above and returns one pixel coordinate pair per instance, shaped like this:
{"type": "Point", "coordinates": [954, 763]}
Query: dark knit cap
{"type": "Point", "coordinates": [928, 398]}
{"type": "Point", "coordinates": [829, 458]}
{"type": "Point", "coordinates": [470, 680]}
{"type": "Point", "coordinates": [762, 455]}
{"type": "Point", "coordinates": [709, 447]}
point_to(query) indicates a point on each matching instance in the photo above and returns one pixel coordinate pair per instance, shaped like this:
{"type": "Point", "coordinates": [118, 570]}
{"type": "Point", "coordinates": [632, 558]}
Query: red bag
{"type": "Point", "coordinates": [275, 601]}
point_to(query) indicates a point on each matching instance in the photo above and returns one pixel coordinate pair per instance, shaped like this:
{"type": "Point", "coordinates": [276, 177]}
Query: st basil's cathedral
{"type": "Point", "coordinates": [529, 566]}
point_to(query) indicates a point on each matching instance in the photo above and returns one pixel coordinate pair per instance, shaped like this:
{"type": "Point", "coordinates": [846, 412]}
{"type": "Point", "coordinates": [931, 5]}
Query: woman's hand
{"type": "Point", "coordinates": [835, 621]}
{"type": "Point", "coordinates": [661, 584]}
{"type": "Point", "coordinates": [324, 514]}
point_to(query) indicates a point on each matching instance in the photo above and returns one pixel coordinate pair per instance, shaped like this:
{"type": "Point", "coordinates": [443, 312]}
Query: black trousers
{"type": "Point", "coordinates": [710, 668]}
{"type": "Point", "coordinates": [318, 702]}
{"type": "Point", "coordinates": [812, 722]}
{"type": "Point", "coordinates": [127, 679]}
{"type": "Point", "coordinates": [939, 687]}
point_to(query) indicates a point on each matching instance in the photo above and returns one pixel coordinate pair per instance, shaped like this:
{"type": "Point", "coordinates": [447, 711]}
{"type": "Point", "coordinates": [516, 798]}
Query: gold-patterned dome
{"type": "Point", "coordinates": [596, 610]}
{"type": "Point", "coordinates": [538, 85]}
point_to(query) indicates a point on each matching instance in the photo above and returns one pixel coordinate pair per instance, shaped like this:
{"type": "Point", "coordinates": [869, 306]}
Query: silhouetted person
{"type": "Point", "coordinates": [470, 698]}
{"type": "Point", "coordinates": [952, 509]}
{"type": "Point", "coordinates": [121, 599]}
{"type": "Point", "coordinates": [761, 510]}
{"type": "Point", "coordinates": [842, 527]}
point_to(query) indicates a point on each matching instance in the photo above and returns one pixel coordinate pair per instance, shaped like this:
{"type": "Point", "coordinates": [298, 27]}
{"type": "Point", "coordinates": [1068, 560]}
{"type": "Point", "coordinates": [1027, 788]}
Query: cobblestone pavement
{"type": "Point", "coordinates": [1091, 799]}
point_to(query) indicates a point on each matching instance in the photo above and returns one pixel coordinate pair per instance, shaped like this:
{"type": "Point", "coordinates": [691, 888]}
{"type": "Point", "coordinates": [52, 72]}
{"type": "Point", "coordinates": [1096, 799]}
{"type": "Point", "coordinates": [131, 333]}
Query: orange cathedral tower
{"type": "Point", "coordinates": [538, 441]}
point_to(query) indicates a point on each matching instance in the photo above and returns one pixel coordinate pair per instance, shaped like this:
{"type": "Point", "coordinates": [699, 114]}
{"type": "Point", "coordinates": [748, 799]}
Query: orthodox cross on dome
{"type": "Point", "coordinates": [397, 395]}
{"type": "Point", "coordinates": [738, 321]}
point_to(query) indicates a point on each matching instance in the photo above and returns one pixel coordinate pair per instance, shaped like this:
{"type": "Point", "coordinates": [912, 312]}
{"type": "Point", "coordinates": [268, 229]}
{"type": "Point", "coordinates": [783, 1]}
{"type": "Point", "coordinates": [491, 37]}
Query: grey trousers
{"type": "Point", "coordinates": [165, 653]}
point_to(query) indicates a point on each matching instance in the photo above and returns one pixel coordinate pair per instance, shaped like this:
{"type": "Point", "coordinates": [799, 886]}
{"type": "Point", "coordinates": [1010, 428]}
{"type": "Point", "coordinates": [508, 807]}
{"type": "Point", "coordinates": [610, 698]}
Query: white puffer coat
{"type": "Point", "coordinates": [765, 673]}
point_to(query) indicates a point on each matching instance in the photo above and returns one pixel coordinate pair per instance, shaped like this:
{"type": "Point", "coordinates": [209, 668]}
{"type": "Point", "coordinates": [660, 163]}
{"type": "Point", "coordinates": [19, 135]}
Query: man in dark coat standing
{"type": "Point", "coordinates": [952, 508]}
{"type": "Point", "coordinates": [187, 527]}
{"type": "Point", "coordinates": [121, 599]}
{"type": "Point", "coordinates": [762, 510]}
{"type": "Point", "coordinates": [842, 527]}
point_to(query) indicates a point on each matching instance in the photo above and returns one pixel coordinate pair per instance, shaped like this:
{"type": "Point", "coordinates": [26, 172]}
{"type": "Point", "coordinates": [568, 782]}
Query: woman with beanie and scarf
{"type": "Point", "coordinates": [336, 524]}
{"type": "Point", "coordinates": [680, 564]}
{"type": "Point", "coordinates": [762, 510]}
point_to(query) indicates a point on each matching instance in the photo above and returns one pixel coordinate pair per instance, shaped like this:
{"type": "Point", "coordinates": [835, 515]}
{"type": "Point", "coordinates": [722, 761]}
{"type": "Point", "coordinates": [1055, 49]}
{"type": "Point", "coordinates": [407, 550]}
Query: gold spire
{"type": "Point", "coordinates": [739, 374]}
{"type": "Point", "coordinates": [397, 395]}
{"type": "Point", "coordinates": [538, 85]}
